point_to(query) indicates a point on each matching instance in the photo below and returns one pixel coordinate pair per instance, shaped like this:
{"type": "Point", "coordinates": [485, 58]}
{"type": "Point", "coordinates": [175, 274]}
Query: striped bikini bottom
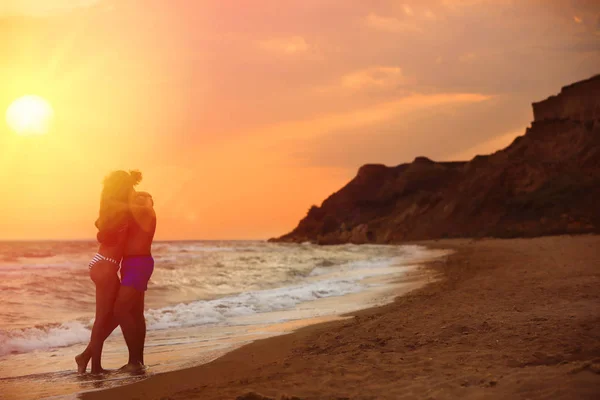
{"type": "Point", "coordinates": [99, 257]}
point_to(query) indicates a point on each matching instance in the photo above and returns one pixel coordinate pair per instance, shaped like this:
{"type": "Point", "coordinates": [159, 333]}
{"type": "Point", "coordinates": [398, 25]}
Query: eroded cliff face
{"type": "Point", "coordinates": [546, 182]}
{"type": "Point", "coordinates": [578, 102]}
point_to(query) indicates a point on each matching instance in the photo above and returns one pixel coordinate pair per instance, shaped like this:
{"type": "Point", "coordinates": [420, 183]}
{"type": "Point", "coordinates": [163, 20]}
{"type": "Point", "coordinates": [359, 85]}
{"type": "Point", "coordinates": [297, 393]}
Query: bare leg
{"type": "Point", "coordinates": [84, 358]}
{"type": "Point", "coordinates": [107, 286]}
{"type": "Point", "coordinates": [126, 304]}
{"type": "Point", "coordinates": [141, 323]}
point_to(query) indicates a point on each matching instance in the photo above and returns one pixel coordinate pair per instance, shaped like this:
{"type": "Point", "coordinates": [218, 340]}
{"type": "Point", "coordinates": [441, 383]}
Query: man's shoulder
{"type": "Point", "coordinates": [143, 210]}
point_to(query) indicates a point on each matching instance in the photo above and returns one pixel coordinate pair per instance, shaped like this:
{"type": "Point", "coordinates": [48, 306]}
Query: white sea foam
{"type": "Point", "coordinates": [26, 340]}
{"type": "Point", "coordinates": [221, 310]}
{"type": "Point", "coordinates": [217, 311]}
{"type": "Point", "coordinates": [198, 313]}
{"type": "Point", "coordinates": [355, 265]}
{"type": "Point", "coordinates": [234, 279]}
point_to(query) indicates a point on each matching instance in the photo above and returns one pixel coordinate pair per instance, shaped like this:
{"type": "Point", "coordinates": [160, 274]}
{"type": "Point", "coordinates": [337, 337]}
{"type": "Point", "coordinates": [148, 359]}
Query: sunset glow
{"type": "Point", "coordinates": [241, 118]}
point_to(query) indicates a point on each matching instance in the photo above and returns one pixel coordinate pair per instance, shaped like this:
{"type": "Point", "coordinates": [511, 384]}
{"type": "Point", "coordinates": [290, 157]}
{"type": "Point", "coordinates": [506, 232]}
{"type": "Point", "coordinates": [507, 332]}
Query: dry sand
{"type": "Point", "coordinates": [508, 319]}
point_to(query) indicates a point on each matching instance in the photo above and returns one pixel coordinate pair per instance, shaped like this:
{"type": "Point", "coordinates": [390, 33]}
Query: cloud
{"type": "Point", "coordinates": [391, 24]}
{"type": "Point", "coordinates": [461, 4]}
{"type": "Point", "coordinates": [362, 117]}
{"type": "Point", "coordinates": [374, 77]}
{"type": "Point", "coordinates": [287, 45]}
{"type": "Point", "coordinates": [437, 126]}
{"type": "Point", "coordinates": [384, 80]}
{"type": "Point", "coordinates": [488, 147]}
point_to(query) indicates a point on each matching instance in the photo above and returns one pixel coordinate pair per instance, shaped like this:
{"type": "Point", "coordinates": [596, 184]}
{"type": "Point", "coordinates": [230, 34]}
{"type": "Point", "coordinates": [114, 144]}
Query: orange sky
{"type": "Point", "coordinates": [241, 114]}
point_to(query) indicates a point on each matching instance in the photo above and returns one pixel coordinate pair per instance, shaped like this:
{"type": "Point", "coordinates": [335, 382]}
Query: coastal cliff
{"type": "Point", "coordinates": [545, 182]}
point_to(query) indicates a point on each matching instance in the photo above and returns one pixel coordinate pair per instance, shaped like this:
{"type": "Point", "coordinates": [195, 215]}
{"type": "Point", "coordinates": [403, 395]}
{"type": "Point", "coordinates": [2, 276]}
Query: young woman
{"type": "Point", "coordinates": [112, 224]}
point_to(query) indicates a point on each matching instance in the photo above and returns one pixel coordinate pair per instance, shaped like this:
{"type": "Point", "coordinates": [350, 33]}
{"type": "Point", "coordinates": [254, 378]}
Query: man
{"type": "Point", "coordinates": [136, 269]}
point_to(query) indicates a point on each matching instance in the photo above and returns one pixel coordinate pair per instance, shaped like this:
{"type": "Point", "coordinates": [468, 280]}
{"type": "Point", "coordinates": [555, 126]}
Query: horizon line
{"type": "Point", "coordinates": [155, 241]}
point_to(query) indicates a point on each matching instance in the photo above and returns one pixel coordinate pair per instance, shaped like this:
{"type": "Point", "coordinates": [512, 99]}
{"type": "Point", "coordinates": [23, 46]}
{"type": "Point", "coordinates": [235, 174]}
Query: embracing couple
{"type": "Point", "coordinates": [126, 226]}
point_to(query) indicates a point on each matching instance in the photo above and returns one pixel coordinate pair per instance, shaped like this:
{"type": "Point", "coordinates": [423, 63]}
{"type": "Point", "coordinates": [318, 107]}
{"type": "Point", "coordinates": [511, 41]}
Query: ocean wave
{"type": "Point", "coordinates": [214, 285]}
{"type": "Point", "coordinates": [193, 247]}
{"type": "Point", "coordinates": [220, 310]}
{"type": "Point", "coordinates": [43, 338]}
{"type": "Point", "coordinates": [354, 265]}
{"type": "Point", "coordinates": [198, 313]}
{"type": "Point", "coordinates": [44, 266]}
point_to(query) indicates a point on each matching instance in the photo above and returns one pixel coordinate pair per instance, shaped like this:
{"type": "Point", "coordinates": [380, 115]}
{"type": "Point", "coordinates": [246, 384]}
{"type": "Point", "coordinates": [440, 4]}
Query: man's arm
{"type": "Point", "coordinates": [142, 202]}
{"type": "Point", "coordinates": [143, 210]}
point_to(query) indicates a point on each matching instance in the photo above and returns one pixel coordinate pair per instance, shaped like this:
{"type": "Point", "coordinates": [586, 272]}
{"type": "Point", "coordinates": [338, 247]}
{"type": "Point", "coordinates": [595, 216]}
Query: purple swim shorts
{"type": "Point", "coordinates": [136, 272]}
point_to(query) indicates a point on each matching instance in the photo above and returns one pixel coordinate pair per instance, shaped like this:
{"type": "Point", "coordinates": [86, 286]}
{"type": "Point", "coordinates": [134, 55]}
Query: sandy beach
{"type": "Point", "coordinates": [514, 319]}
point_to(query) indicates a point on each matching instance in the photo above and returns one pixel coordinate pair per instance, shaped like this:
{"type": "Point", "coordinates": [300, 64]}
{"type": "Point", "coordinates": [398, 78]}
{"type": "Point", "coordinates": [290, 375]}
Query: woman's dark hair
{"type": "Point", "coordinates": [114, 200]}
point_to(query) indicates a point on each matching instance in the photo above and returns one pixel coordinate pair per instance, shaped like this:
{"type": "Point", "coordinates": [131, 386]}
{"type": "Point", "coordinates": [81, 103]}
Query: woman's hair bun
{"type": "Point", "coordinates": [136, 177]}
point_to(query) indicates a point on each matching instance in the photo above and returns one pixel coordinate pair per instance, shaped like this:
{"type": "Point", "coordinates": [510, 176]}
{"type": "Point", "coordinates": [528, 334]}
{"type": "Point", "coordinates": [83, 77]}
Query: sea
{"type": "Point", "coordinates": [206, 298]}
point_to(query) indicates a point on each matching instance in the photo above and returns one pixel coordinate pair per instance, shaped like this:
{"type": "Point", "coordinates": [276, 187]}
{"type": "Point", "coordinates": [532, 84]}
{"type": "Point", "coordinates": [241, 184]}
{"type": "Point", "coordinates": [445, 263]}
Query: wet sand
{"type": "Point", "coordinates": [507, 319]}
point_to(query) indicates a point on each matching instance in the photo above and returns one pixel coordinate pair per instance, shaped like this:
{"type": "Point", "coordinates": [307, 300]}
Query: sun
{"type": "Point", "coordinates": [29, 115]}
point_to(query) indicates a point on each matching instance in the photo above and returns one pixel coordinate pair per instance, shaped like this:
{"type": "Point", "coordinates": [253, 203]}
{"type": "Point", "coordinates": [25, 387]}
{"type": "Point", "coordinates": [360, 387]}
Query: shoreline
{"type": "Point", "coordinates": [185, 347]}
{"type": "Point", "coordinates": [380, 290]}
{"type": "Point", "coordinates": [511, 318]}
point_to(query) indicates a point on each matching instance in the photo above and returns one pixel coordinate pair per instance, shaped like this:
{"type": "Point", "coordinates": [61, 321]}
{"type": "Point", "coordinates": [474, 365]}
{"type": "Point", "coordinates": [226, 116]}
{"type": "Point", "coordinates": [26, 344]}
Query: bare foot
{"type": "Point", "coordinates": [132, 368]}
{"type": "Point", "coordinates": [100, 371]}
{"type": "Point", "coordinates": [82, 361]}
